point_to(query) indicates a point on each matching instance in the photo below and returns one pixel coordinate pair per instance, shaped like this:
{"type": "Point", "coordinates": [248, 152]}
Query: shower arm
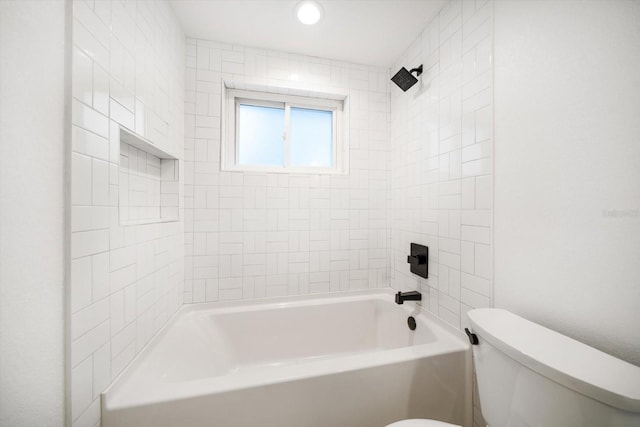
{"type": "Point", "coordinates": [417, 70]}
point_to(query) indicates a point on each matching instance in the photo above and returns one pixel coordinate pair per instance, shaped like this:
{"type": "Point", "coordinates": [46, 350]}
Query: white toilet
{"type": "Point", "coordinates": [529, 375]}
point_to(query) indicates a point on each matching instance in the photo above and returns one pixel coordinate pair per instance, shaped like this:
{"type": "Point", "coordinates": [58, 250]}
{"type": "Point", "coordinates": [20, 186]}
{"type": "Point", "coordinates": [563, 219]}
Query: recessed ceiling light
{"type": "Point", "coordinates": [309, 12]}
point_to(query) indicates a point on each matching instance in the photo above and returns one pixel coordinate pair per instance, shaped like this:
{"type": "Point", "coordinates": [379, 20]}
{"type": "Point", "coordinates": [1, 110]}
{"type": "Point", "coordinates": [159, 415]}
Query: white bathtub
{"type": "Point", "coordinates": [328, 361]}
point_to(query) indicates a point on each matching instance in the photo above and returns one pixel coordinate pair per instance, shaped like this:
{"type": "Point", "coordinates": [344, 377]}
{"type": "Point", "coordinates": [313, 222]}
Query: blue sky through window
{"type": "Point", "coordinates": [261, 135]}
{"type": "Point", "coordinates": [311, 137]}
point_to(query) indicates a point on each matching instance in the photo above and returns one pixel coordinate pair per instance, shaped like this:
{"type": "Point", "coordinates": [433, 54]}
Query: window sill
{"type": "Point", "coordinates": [269, 169]}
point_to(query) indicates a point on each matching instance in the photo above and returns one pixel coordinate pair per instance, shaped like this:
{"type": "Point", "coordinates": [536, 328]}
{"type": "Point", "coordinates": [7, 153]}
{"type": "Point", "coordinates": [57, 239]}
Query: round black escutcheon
{"type": "Point", "coordinates": [412, 323]}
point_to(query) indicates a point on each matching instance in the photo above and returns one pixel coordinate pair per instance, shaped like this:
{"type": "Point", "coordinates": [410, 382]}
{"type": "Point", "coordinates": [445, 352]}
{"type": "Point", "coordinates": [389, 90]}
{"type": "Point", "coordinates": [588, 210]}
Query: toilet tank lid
{"type": "Point", "coordinates": [564, 360]}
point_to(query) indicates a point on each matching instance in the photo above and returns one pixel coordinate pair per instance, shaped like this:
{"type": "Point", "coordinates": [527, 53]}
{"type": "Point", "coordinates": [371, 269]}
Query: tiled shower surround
{"type": "Point", "coordinates": [420, 170]}
{"type": "Point", "coordinates": [126, 280]}
{"type": "Point", "coordinates": [254, 235]}
{"type": "Point", "coordinates": [441, 162]}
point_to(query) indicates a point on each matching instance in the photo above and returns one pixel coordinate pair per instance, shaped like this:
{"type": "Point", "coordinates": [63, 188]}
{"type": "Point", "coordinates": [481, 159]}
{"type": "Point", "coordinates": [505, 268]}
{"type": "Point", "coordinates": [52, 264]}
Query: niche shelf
{"type": "Point", "coordinates": [148, 182]}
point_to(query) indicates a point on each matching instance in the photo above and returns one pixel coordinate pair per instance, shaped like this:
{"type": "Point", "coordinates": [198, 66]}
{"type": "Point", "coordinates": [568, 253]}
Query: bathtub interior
{"type": "Point", "coordinates": [204, 343]}
{"type": "Point", "coordinates": [272, 337]}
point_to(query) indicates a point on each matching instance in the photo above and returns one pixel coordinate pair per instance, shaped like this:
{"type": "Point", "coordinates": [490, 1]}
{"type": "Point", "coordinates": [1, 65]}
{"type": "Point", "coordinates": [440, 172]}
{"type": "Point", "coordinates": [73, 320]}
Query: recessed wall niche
{"type": "Point", "coordinates": [149, 190]}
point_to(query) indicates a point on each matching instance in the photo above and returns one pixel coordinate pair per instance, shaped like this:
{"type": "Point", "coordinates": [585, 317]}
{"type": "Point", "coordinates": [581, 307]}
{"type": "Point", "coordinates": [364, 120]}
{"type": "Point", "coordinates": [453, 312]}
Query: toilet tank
{"type": "Point", "coordinates": [529, 375]}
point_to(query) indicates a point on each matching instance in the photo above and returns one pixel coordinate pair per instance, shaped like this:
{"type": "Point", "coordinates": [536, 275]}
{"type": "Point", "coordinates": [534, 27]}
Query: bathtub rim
{"type": "Point", "coordinates": [456, 340]}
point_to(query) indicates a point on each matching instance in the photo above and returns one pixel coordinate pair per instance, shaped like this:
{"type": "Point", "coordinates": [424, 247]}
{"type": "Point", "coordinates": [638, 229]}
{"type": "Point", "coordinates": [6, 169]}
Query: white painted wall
{"type": "Point", "coordinates": [567, 168]}
{"type": "Point", "coordinates": [32, 35]}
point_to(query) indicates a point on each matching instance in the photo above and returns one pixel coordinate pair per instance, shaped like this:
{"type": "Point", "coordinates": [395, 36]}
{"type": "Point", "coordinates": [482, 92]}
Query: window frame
{"type": "Point", "coordinates": [232, 99]}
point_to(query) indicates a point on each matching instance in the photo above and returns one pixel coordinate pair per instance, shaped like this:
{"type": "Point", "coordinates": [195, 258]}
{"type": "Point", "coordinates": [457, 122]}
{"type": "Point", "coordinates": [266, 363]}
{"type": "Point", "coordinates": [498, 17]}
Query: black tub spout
{"type": "Point", "coordinates": [401, 297]}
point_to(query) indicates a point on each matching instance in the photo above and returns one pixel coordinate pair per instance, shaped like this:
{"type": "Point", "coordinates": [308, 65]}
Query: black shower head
{"type": "Point", "coordinates": [404, 79]}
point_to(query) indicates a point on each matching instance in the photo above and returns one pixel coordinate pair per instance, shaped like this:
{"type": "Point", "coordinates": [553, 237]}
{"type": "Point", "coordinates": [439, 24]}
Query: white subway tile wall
{"type": "Point", "coordinates": [254, 235]}
{"type": "Point", "coordinates": [126, 281]}
{"type": "Point", "coordinates": [139, 185]}
{"type": "Point", "coordinates": [441, 163]}
{"type": "Point", "coordinates": [148, 187]}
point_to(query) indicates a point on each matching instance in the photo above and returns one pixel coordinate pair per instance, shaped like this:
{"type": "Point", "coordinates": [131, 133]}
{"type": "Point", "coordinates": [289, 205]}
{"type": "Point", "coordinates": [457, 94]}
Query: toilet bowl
{"type": "Point", "coordinates": [529, 375]}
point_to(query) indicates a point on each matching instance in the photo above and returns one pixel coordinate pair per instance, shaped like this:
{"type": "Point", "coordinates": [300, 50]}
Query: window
{"type": "Point", "coordinates": [283, 132]}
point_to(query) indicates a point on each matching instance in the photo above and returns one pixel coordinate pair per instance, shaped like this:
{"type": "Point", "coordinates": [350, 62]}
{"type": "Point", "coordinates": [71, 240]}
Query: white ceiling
{"type": "Point", "coordinates": [373, 32]}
